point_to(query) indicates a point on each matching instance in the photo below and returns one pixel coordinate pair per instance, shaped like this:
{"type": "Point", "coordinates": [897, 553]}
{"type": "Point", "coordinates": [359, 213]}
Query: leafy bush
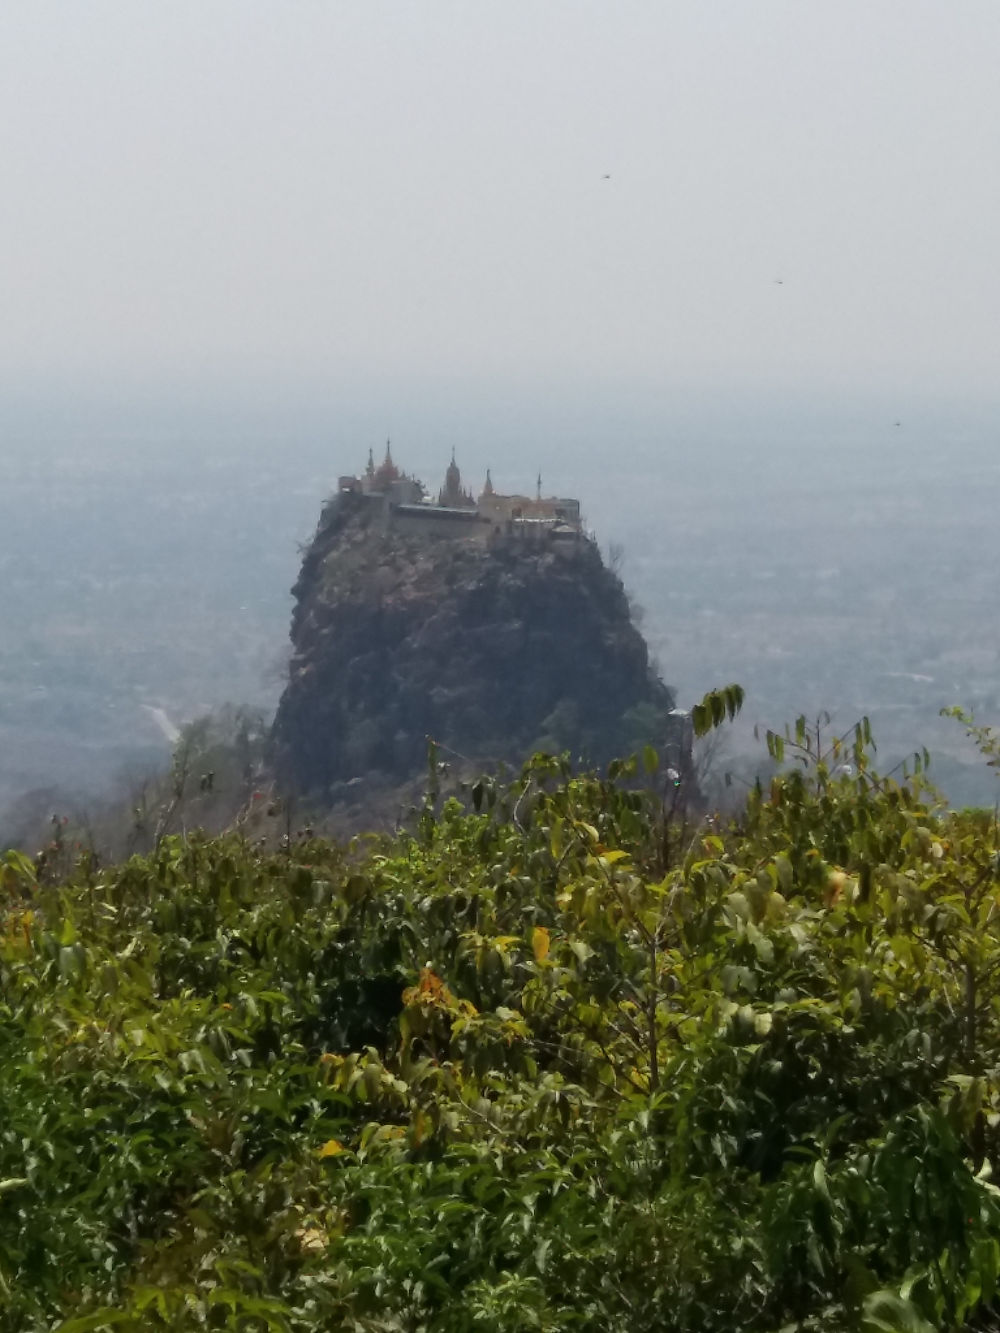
{"type": "Point", "coordinates": [558, 1060]}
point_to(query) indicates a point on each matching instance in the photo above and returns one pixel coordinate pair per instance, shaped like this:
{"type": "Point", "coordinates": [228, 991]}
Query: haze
{"type": "Point", "coordinates": [294, 197]}
{"type": "Point", "coordinates": [724, 271]}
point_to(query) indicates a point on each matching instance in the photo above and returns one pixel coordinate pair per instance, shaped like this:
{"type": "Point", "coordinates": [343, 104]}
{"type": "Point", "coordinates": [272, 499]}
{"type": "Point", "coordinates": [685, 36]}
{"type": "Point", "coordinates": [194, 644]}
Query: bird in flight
{"type": "Point", "coordinates": [605, 178]}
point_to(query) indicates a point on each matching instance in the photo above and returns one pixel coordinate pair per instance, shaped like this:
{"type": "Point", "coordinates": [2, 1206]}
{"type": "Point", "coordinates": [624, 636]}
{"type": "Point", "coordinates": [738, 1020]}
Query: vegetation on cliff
{"type": "Point", "coordinates": [554, 1060]}
{"type": "Point", "coordinates": [492, 649]}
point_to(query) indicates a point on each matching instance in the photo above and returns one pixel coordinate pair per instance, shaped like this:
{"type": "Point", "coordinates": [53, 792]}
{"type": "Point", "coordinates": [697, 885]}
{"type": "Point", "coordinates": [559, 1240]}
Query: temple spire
{"type": "Point", "coordinates": [387, 471]}
{"type": "Point", "coordinates": [451, 494]}
{"type": "Point", "coordinates": [538, 492]}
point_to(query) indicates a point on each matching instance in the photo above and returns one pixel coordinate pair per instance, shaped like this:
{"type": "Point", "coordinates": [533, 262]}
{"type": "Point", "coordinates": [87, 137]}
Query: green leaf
{"type": "Point", "coordinates": [785, 873]}
{"type": "Point", "coordinates": [715, 708]}
{"type": "Point", "coordinates": [819, 1180]}
{"type": "Point", "coordinates": [94, 1322]}
{"type": "Point", "coordinates": [885, 1312]}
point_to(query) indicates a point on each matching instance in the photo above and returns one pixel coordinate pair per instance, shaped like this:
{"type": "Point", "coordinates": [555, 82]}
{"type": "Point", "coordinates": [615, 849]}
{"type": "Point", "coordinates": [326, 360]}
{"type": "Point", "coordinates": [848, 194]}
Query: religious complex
{"type": "Point", "coordinates": [402, 502]}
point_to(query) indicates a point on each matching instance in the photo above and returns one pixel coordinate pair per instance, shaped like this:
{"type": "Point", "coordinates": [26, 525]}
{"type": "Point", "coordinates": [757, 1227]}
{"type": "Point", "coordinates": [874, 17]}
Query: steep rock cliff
{"type": "Point", "coordinates": [492, 649]}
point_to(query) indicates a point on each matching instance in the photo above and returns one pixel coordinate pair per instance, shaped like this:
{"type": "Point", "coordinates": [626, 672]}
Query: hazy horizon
{"type": "Point", "coordinates": [819, 554]}
{"type": "Point", "coordinates": [725, 272]}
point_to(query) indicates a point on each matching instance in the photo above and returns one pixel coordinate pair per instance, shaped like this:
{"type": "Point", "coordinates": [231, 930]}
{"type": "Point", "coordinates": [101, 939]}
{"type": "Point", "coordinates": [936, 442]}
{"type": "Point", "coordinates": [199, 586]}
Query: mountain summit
{"type": "Point", "coordinates": [490, 625]}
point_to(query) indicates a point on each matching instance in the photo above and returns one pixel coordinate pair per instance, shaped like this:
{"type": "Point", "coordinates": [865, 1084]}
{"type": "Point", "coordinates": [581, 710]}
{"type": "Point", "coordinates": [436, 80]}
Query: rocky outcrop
{"type": "Point", "coordinates": [492, 649]}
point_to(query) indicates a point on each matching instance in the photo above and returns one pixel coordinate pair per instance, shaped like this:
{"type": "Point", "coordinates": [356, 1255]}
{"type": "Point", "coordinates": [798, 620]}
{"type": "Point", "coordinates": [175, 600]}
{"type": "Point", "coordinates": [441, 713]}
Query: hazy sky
{"type": "Point", "coordinates": [801, 193]}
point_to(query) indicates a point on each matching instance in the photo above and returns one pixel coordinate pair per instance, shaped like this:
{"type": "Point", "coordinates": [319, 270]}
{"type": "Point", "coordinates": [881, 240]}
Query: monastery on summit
{"type": "Point", "coordinates": [403, 502]}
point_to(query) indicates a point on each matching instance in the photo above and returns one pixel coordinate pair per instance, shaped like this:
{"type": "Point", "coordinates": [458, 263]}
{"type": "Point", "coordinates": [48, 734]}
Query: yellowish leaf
{"type": "Point", "coordinates": [331, 1148]}
{"type": "Point", "coordinates": [420, 1127]}
{"type": "Point", "coordinates": [311, 1239]}
{"type": "Point", "coordinates": [540, 943]}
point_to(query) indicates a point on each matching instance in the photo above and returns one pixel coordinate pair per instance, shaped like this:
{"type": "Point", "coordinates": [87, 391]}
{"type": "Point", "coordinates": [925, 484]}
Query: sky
{"type": "Point", "coordinates": [664, 195]}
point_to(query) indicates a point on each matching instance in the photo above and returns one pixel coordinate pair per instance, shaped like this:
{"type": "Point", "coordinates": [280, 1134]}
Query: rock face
{"type": "Point", "coordinates": [492, 649]}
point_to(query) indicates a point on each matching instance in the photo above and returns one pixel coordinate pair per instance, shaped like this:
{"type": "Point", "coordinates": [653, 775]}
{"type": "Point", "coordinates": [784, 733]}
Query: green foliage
{"type": "Point", "coordinates": [985, 739]}
{"type": "Point", "coordinates": [715, 708]}
{"type": "Point", "coordinates": [555, 1061]}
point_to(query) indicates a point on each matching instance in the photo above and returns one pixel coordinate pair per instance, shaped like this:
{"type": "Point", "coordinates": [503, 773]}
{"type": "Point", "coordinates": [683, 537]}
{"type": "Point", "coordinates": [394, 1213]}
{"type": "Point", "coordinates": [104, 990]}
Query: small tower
{"type": "Point", "coordinates": [488, 488]}
{"type": "Point", "coordinates": [451, 495]}
{"type": "Point", "coordinates": [453, 477]}
{"type": "Point", "coordinates": [388, 471]}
